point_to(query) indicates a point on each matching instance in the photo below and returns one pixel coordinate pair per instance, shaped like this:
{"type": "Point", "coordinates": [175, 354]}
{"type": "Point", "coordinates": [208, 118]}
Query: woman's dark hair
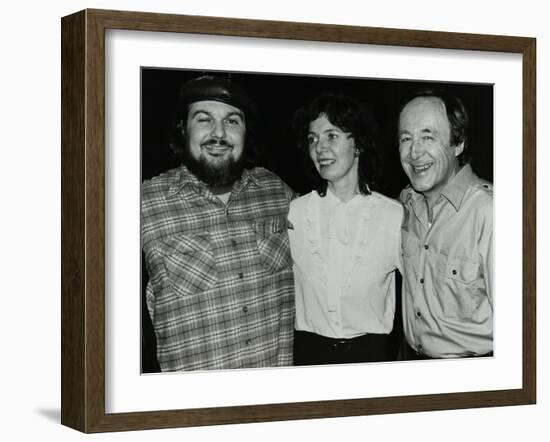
{"type": "Point", "coordinates": [456, 114]}
{"type": "Point", "coordinates": [352, 117]}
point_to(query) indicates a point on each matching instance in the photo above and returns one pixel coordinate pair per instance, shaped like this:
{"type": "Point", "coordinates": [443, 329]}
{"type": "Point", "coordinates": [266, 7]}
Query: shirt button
{"type": "Point", "coordinates": [241, 275]}
{"type": "Point", "coordinates": [426, 246]}
{"type": "Point", "coordinates": [421, 280]}
{"type": "Point", "coordinates": [245, 309]}
{"type": "Point", "coordinates": [454, 272]}
{"type": "Point", "coordinates": [248, 341]}
{"type": "Point", "coordinates": [418, 314]}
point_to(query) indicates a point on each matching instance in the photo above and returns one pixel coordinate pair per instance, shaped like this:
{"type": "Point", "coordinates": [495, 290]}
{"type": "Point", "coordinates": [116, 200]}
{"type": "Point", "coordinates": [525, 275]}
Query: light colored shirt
{"type": "Point", "coordinates": [344, 260]}
{"type": "Point", "coordinates": [221, 290]}
{"type": "Point", "coordinates": [448, 290]}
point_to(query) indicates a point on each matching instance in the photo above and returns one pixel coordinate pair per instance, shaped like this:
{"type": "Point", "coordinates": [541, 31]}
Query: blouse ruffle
{"type": "Point", "coordinates": [360, 247]}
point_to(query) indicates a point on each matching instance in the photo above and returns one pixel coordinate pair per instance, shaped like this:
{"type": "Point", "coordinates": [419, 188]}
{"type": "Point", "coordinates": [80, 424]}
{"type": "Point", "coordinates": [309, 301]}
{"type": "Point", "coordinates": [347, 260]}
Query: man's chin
{"type": "Point", "coordinates": [217, 162]}
{"type": "Point", "coordinates": [217, 173]}
{"type": "Point", "coordinates": [420, 185]}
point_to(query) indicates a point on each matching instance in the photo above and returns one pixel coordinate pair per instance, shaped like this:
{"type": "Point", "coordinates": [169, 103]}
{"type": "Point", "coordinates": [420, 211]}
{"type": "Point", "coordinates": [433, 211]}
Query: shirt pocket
{"type": "Point", "coordinates": [460, 270]}
{"type": "Point", "coordinates": [273, 243]}
{"type": "Point", "coordinates": [190, 263]}
{"type": "Point", "coordinates": [460, 290]}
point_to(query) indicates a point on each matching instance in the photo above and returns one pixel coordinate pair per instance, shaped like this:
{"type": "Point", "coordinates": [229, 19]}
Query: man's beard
{"type": "Point", "coordinates": [214, 175]}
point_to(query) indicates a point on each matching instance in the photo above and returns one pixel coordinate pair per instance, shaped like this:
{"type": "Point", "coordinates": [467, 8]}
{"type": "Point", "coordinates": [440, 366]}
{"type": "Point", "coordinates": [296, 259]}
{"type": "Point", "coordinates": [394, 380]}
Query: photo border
{"type": "Point", "coordinates": [83, 219]}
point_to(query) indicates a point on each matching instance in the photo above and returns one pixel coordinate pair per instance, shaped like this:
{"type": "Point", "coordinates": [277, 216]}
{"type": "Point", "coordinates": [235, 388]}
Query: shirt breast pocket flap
{"type": "Point", "coordinates": [190, 263]}
{"type": "Point", "coordinates": [460, 270]}
{"type": "Point", "coordinates": [273, 243]}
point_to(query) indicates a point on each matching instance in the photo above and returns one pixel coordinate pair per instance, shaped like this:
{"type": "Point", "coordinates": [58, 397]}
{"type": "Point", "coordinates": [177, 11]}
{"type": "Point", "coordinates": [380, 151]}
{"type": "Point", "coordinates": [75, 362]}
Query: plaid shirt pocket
{"type": "Point", "coordinates": [273, 244]}
{"type": "Point", "coordinates": [190, 263]}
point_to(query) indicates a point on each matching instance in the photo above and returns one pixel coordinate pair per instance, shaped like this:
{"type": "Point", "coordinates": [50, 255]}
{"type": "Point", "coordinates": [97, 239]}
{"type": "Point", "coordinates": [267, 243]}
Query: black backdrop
{"type": "Point", "coordinates": [278, 97]}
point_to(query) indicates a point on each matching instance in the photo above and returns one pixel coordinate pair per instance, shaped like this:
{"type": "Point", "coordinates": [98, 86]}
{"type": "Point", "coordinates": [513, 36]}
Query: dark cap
{"type": "Point", "coordinates": [219, 89]}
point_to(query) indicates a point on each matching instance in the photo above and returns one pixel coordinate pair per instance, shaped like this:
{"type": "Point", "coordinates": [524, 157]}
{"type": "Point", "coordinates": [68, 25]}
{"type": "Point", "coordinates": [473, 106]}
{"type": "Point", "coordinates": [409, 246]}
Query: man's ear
{"type": "Point", "coordinates": [181, 127]}
{"type": "Point", "coordinates": [354, 147]}
{"type": "Point", "coordinates": [459, 148]}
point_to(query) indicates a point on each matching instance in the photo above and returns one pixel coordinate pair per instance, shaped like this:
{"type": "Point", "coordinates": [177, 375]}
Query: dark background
{"type": "Point", "coordinates": [278, 97]}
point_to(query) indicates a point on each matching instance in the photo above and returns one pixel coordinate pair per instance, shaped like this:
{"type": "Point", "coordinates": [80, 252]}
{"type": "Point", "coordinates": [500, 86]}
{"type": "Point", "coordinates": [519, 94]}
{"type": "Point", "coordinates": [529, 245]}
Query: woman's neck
{"type": "Point", "coordinates": [344, 190]}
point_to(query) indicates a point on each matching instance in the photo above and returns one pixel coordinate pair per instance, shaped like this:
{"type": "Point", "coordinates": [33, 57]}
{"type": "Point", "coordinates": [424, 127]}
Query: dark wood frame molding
{"type": "Point", "coordinates": [83, 216]}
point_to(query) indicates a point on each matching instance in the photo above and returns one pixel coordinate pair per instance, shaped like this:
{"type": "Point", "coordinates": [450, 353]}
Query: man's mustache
{"type": "Point", "coordinates": [216, 142]}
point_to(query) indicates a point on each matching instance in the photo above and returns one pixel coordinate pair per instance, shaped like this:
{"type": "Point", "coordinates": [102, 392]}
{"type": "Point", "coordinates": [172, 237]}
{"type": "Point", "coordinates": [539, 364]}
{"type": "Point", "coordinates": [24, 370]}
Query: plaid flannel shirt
{"type": "Point", "coordinates": [221, 289]}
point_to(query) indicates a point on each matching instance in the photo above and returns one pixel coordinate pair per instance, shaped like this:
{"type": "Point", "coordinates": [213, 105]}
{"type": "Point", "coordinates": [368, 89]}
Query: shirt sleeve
{"type": "Point", "coordinates": [399, 259]}
{"type": "Point", "coordinates": [294, 231]}
{"type": "Point", "coordinates": [485, 241]}
{"type": "Point", "coordinates": [289, 192]}
{"type": "Point", "coordinates": [150, 299]}
{"type": "Point", "coordinates": [150, 295]}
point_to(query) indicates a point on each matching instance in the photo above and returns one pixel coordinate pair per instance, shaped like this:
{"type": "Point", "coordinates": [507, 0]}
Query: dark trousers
{"type": "Point", "coordinates": [314, 349]}
{"type": "Point", "coordinates": [407, 353]}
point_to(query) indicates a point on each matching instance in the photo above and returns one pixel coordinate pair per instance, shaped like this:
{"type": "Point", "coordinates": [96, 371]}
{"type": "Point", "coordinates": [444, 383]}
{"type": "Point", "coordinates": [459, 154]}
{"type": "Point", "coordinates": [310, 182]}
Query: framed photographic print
{"type": "Point", "coordinates": [122, 77]}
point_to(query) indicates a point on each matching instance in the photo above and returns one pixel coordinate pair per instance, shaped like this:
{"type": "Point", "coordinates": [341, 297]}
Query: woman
{"type": "Point", "coordinates": [345, 241]}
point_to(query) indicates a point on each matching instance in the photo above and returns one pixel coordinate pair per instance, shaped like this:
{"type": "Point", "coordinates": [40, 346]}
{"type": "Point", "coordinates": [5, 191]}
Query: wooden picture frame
{"type": "Point", "coordinates": [83, 220]}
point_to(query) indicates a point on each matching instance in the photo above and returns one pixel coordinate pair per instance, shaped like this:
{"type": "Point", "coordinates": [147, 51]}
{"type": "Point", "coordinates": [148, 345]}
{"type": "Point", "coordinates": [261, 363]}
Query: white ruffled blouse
{"type": "Point", "coordinates": [345, 255]}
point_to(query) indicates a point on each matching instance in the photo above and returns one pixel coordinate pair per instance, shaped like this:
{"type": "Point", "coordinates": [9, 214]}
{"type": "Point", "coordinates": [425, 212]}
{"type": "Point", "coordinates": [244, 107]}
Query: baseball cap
{"type": "Point", "coordinates": [224, 90]}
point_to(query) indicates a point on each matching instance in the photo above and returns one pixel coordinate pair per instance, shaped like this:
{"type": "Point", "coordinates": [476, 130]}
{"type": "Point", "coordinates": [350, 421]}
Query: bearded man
{"type": "Point", "coordinates": [220, 292]}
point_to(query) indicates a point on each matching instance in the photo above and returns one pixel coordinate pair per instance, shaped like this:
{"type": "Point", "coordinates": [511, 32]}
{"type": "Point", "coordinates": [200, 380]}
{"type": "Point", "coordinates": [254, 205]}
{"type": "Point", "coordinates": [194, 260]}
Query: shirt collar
{"type": "Point", "coordinates": [454, 191]}
{"type": "Point", "coordinates": [335, 201]}
{"type": "Point", "coordinates": [331, 199]}
{"type": "Point", "coordinates": [181, 178]}
{"type": "Point", "coordinates": [249, 176]}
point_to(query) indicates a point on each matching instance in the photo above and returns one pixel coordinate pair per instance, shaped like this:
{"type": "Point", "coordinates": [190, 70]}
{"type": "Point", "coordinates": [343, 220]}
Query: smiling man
{"type": "Point", "coordinates": [447, 234]}
{"type": "Point", "coordinates": [214, 233]}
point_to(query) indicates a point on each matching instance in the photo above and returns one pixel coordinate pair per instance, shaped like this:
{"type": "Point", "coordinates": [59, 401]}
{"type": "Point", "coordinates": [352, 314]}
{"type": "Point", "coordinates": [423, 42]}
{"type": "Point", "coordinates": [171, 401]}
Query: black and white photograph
{"type": "Point", "coordinates": [300, 220]}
